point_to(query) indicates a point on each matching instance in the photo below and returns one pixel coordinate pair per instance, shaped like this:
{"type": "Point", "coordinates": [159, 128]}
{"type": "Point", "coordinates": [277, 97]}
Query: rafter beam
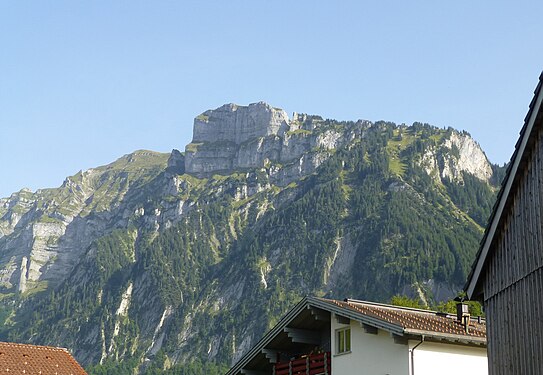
{"type": "Point", "coordinates": [271, 355]}
{"type": "Point", "coordinates": [320, 315]}
{"type": "Point", "coordinates": [303, 336]}
{"type": "Point", "coordinates": [402, 340]}
{"type": "Point", "coordinates": [369, 329]}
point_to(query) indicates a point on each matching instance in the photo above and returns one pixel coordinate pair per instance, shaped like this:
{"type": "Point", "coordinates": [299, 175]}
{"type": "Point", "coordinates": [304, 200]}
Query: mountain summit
{"type": "Point", "coordinates": [235, 137]}
{"type": "Point", "coordinates": [160, 260]}
{"type": "Point", "coordinates": [238, 124]}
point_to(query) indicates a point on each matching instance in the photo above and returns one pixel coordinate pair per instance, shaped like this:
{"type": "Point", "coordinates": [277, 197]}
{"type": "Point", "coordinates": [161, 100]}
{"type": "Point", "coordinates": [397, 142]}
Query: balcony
{"type": "Point", "coordinates": [312, 364]}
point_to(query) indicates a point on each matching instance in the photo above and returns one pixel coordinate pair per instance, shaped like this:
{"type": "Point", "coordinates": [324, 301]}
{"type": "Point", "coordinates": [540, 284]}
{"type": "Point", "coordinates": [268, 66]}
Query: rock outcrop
{"type": "Point", "coordinates": [238, 124]}
{"type": "Point", "coordinates": [240, 138]}
{"type": "Point", "coordinates": [457, 153]}
{"type": "Point", "coordinates": [466, 156]}
{"type": "Point", "coordinates": [233, 137]}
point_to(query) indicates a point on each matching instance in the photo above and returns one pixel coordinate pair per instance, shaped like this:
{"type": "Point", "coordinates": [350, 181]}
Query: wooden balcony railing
{"type": "Point", "coordinates": [311, 364]}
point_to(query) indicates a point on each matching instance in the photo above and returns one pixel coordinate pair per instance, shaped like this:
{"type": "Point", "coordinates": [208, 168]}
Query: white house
{"type": "Point", "coordinates": [322, 336]}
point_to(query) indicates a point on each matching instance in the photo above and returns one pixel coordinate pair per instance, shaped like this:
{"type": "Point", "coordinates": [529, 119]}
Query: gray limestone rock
{"type": "Point", "coordinates": [236, 138]}
{"type": "Point", "coordinates": [176, 162]}
{"type": "Point", "coordinates": [458, 153]}
{"type": "Point", "coordinates": [238, 124]}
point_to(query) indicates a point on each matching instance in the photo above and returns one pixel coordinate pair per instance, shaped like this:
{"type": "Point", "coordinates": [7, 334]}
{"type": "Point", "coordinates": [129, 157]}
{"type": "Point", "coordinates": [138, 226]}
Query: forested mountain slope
{"type": "Point", "coordinates": [183, 261]}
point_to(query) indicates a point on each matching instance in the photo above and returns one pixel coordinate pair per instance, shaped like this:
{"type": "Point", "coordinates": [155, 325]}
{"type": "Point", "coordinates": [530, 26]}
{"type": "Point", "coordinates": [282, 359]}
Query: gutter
{"type": "Point", "coordinates": [412, 352]}
{"type": "Point", "coordinates": [449, 337]}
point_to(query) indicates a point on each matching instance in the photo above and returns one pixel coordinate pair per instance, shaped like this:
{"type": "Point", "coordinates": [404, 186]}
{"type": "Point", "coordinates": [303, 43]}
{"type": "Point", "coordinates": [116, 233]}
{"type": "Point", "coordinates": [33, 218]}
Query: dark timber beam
{"type": "Point", "coordinates": [271, 355]}
{"type": "Point", "coordinates": [342, 320]}
{"type": "Point", "coordinates": [402, 340]}
{"type": "Point", "coordinates": [369, 329]}
{"type": "Point", "coordinates": [318, 314]}
{"type": "Point", "coordinates": [303, 336]}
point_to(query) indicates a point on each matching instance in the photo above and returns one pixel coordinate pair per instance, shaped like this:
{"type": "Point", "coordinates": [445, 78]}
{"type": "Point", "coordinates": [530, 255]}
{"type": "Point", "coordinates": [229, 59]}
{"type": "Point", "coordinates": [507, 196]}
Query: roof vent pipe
{"type": "Point", "coordinates": [462, 315]}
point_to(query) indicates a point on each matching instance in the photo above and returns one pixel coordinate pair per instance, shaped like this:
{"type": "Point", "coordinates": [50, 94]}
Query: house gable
{"type": "Point", "coordinates": [508, 272]}
{"type": "Point", "coordinates": [302, 328]}
{"type": "Point", "coordinates": [521, 161]}
{"type": "Point", "coordinates": [312, 328]}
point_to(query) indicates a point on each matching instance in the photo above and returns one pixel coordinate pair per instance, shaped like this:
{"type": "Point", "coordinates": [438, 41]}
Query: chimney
{"type": "Point", "coordinates": [462, 315]}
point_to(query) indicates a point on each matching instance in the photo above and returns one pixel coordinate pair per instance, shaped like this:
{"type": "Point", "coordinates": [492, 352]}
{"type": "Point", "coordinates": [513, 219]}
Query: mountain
{"type": "Point", "coordinates": [183, 261]}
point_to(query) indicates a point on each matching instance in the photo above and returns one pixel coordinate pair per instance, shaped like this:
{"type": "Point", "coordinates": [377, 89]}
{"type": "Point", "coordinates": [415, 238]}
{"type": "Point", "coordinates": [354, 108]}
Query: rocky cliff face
{"type": "Point", "coordinates": [237, 138]}
{"type": "Point", "coordinates": [465, 156]}
{"type": "Point", "coordinates": [239, 124]}
{"type": "Point", "coordinates": [240, 138]}
{"type": "Point", "coordinates": [458, 153]}
{"type": "Point", "coordinates": [43, 235]}
{"type": "Point", "coordinates": [172, 255]}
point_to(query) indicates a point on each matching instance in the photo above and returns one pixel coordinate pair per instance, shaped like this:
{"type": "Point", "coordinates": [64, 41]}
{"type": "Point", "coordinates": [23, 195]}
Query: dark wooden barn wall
{"type": "Point", "coordinates": [513, 284]}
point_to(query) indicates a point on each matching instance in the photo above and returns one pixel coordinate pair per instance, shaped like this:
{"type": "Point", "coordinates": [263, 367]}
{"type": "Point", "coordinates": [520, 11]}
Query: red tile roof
{"type": "Point", "coordinates": [415, 321]}
{"type": "Point", "coordinates": [37, 360]}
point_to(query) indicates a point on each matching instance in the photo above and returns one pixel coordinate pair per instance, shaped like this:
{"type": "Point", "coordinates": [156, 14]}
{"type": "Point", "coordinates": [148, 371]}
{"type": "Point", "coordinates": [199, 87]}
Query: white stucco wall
{"type": "Point", "coordinates": [379, 355]}
{"type": "Point", "coordinates": [370, 354]}
{"type": "Point", "coordinates": [448, 359]}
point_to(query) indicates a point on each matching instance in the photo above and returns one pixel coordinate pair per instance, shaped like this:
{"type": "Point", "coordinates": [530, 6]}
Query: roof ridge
{"type": "Point", "coordinates": [395, 307]}
{"type": "Point", "coordinates": [410, 319]}
{"type": "Point", "coordinates": [43, 347]}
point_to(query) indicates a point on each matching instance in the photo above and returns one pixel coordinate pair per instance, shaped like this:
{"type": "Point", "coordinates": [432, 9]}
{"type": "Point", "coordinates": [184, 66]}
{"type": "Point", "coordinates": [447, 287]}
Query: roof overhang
{"type": "Point", "coordinates": [279, 327]}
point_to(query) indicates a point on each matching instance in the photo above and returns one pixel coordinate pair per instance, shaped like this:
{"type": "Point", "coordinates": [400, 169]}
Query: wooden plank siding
{"type": "Point", "coordinates": [513, 277]}
{"type": "Point", "coordinates": [516, 327]}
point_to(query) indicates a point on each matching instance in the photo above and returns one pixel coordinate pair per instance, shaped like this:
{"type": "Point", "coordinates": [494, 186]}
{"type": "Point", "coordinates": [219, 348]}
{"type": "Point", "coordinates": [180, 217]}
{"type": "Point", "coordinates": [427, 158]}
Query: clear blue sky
{"type": "Point", "coordinates": [82, 83]}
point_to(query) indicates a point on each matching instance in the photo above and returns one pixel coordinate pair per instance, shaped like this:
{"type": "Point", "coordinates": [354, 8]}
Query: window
{"type": "Point", "coordinates": [343, 340]}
